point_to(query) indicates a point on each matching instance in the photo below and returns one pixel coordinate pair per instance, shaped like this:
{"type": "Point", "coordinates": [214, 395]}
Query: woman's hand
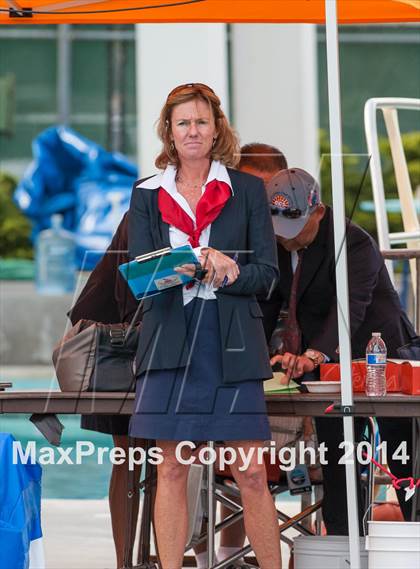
{"type": "Point", "coordinates": [218, 266]}
{"type": "Point", "coordinates": [188, 270]}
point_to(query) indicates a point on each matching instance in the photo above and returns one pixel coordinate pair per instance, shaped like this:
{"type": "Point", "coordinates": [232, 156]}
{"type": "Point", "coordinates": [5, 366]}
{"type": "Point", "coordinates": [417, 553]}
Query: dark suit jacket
{"type": "Point", "coordinates": [244, 226]}
{"type": "Point", "coordinates": [374, 303]}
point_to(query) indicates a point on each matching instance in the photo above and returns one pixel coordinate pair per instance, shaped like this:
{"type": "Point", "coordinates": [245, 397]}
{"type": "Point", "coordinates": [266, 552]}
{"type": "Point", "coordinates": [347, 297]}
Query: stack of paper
{"type": "Point", "coordinates": [279, 384]}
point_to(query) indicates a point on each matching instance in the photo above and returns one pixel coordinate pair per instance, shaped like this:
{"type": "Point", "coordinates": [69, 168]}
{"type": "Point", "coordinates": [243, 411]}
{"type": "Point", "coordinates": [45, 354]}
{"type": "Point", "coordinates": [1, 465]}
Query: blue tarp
{"type": "Point", "coordinates": [76, 177]}
{"type": "Point", "coordinates": [20, 507]}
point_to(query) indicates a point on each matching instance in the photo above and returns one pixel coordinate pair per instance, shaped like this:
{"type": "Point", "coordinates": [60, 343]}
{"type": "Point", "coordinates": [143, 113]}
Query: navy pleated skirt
{"type": "Point", "coordinates": [192, 402]}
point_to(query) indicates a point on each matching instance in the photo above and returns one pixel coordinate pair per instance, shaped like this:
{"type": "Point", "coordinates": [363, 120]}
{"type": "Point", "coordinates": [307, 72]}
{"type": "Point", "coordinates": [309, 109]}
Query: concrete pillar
{"type": "Point", "coordinates": [168, 55]}
{"type": "Point", "coordinates": [274, 77]}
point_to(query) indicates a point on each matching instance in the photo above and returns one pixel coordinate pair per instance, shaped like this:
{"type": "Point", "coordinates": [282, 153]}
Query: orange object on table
{"type": "Point", "coordinates": [331, 372]}
{"type": "Point", "coordinates": [410, 378]}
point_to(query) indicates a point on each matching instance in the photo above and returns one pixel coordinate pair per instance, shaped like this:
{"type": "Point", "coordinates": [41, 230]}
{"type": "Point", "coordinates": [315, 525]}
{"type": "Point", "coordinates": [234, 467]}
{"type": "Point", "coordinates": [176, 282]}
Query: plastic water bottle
{"type": "Point", "coordinates": [55, 259]}
{"type": "Point", "coordinates": [376, 366]}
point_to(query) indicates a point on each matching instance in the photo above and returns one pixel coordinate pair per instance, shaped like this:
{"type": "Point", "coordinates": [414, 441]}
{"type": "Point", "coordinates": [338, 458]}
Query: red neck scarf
{"type": "Point", "coordinates": [209, 206]}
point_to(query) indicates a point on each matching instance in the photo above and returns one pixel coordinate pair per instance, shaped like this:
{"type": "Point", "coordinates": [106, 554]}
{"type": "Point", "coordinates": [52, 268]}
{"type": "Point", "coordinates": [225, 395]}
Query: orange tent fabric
{"type": "Point", "coordinates": [137, 11]}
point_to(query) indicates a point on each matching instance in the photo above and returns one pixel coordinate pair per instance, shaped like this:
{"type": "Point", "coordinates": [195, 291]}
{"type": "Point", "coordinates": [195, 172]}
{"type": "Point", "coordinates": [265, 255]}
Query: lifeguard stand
{"type": "Point", "coordinates": [411, 234]}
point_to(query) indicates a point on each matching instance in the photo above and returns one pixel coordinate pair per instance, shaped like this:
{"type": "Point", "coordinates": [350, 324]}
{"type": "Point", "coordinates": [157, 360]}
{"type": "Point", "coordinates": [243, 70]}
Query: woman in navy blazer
{"type": "Point", "coordinates": [202, 357]}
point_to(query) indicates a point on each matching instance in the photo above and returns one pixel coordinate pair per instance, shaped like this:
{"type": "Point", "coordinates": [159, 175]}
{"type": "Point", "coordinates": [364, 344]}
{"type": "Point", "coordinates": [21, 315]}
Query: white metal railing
{"type": "Point", "coordinates": [411, 234]}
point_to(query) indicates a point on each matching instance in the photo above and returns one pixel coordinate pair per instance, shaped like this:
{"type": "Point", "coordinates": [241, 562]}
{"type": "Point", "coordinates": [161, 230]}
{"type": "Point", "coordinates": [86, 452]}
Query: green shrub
{"type": "Point", "coordinates": [15, 228]}
{"type": "Point", "coordinates": [357, 183]}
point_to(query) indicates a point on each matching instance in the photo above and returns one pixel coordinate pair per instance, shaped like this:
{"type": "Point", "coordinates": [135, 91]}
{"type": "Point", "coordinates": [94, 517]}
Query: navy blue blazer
{"type": "Point", "coordinates": [243, 226]}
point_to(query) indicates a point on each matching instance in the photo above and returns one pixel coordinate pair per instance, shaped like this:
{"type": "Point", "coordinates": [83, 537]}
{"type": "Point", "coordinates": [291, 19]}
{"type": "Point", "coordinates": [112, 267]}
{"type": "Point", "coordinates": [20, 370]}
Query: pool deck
{"type": "Point", "coordinates": [77, 534]}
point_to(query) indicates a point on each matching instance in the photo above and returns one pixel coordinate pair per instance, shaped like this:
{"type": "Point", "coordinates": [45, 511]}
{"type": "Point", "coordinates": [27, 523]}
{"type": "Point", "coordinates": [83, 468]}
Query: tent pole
{"type": "Point", "coordinates": [334, 105]}
{"type": "Point", "coordinates": [64, 79]}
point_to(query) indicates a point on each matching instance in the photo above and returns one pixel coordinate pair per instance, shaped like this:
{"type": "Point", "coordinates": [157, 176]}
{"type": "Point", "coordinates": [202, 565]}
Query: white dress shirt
{"type": "Point", "coordinates": [294, 260]}
{"type": "Point", "coordinates": [177, 237]}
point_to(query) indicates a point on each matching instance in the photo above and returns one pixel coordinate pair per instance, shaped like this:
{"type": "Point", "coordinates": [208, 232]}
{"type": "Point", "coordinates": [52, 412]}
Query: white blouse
{"type": "Point", "coordinates": [177, 237]}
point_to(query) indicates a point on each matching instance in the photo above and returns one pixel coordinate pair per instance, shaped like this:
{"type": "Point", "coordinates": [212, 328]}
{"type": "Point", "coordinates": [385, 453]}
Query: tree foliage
{"type": "Point", "coordinates": [357, 182]}
{"type": "Point", "coordinates": [15, 228]}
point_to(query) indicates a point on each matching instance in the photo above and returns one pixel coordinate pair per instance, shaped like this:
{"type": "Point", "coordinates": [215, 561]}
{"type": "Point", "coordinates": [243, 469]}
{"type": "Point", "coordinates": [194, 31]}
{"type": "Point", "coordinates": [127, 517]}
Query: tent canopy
{"type": "Point", "coordinates": [274, 11]}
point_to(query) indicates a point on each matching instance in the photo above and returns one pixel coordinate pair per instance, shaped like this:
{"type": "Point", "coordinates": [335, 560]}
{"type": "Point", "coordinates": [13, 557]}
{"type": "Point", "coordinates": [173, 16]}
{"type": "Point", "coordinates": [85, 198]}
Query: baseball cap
{"type": "Point", "coordinates": [293, 194]}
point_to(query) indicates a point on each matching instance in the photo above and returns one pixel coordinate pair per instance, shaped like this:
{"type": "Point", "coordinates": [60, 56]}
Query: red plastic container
{"type": "Point", "coordinates": [410, 378]}
{"type": "Point", "coordinates": [331, 372]}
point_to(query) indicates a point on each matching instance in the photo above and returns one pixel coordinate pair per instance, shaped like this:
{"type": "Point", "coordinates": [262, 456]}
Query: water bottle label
{"type": "Point", "coordinates": [376, 359]}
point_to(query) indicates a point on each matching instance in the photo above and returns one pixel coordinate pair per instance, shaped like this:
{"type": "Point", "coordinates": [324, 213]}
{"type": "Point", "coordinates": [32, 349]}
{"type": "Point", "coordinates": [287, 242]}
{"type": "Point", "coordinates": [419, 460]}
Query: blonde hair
{"type": "Point", "coordinates": [226, 147]}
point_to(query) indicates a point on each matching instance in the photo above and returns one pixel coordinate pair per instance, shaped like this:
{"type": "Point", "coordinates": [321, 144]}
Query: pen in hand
{"type": "Point", "coordinates": [226, 279]}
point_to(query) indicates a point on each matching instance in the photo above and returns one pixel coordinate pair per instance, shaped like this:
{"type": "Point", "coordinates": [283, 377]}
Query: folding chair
{"type": "Point", "coordinates": [217, 487]}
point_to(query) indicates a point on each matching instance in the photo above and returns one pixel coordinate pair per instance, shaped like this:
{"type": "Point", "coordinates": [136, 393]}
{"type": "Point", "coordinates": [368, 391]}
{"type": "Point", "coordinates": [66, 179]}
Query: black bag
{"type": "Point", "coordinates": [97, 357]}
{"type": "Point", "coordinates": [410, 351]}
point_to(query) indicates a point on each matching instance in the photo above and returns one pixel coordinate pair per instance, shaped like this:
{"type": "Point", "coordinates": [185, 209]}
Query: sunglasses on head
{"type": "Point", "coordinates": [195, 86]}
{"type": "Point", "coordinates": [289, 212]}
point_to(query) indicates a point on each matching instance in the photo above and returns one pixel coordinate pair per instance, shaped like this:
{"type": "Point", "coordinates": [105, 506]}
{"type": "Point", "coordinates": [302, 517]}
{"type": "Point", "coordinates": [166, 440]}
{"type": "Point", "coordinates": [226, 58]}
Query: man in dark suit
{"type": "Point", "coordinates": [304, 231]}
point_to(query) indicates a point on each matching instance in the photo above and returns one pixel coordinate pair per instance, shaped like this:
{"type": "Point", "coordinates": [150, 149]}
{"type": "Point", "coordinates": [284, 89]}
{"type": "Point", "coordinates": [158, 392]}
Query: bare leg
{"type": "Point", "coordinates": [171, 514]}
{"type": "Point", "coordinates": [260, 516]}
{"type": "Point", "coordinates": [118, 489]}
